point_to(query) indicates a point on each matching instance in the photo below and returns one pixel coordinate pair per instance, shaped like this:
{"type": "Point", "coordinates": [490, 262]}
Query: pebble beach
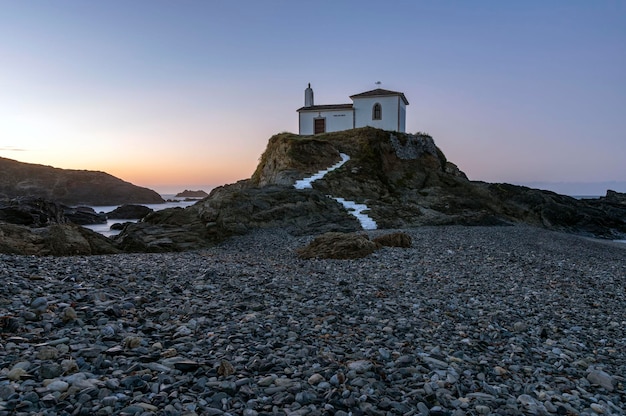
{"type": "Point", "coordinates": [468, 321]}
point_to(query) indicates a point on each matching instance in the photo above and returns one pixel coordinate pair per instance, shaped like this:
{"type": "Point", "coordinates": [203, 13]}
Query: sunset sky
{"type": "Point", "coordinates": [177, 95]}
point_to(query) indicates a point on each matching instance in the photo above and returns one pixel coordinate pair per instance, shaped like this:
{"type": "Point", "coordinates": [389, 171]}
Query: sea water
{"type": "Point", "coordinates": [105, 229]}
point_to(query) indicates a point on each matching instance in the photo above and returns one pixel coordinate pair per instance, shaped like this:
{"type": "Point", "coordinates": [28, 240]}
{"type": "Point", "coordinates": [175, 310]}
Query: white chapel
{"type": "Point", "coordinates": [378, 108]}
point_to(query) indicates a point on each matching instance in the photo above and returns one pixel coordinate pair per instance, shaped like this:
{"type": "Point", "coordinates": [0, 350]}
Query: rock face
{"type": "Point", "coordinates": [405, 181]}
{"type": "Point", "coordinates": [71, 187]}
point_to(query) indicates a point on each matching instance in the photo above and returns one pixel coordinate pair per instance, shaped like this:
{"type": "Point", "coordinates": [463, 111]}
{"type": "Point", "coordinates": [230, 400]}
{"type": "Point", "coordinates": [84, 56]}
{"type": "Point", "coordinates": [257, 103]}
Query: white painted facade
{"type": "Point", "coordinates": [378, 108]}
{"type": "Point", "coordinates": [334, 120]}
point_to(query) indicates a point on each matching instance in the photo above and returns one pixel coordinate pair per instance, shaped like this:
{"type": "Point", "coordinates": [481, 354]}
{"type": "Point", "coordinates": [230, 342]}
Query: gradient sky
{"type": "Point", "coordinates": [185, 94]}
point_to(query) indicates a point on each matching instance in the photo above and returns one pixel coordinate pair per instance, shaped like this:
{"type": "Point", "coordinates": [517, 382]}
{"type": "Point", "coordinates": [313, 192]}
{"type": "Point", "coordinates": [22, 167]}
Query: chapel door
{"type": "Point", "coordinates": [319, 126]}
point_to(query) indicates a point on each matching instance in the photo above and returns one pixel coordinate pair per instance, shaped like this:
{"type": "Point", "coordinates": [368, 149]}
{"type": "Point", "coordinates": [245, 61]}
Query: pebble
{"type": "Point", "coordinates": [601, 378]}
{"type": "Point", "coordinates": [470, 320]}
{"type": "Point", "coordinates": [58, 385]}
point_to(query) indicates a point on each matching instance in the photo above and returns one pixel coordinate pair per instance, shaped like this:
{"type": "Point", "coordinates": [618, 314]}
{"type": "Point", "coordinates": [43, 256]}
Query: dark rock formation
{"type": "Point", "coordinates": [235, 210]}
{"type": "Point", "coordinates": [55, 239]}
{"type": "Point", "coordinates": [405, 181]}
{"type": "Point", "coordinates": [192, 194]}
{"type": "Point", "coordinates": [37, 212]}
{"type": "Point", "coordinates": [70, 187]}
{"type": "Point", "coordinates": [32, 212]}
{"type": "Point", "coordinates": [613, 197]}
{"type": "Point", "coordinates": [33, 226]}
{"type": "Point", "coordinates": [129, 212]}
{"type": "Point", "coordinates": [593, 217]}
{"type": "Point", "coordinates": [118, 226]}
{"type": "Point", "coordinates": [83, 215]}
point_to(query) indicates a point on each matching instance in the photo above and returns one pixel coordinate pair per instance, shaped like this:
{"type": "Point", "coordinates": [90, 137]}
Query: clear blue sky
{"type": "Point", "coordinates": [185, 94]}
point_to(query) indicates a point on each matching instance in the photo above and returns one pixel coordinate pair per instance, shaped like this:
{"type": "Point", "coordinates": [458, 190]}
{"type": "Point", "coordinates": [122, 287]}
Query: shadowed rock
{"type": "Point", "coordinates": [398, 239]}
{"type": "Point", "coordinates": [338, 246]}
{"type": "Point", "coordinates": [129, 212]}
{"type": "Point", "coordinates": [55, 240]}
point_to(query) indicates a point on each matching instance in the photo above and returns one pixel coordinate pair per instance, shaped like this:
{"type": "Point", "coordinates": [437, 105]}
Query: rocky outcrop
{"type": "Point", "coordinates": [236, 210]}
{"type": "Point", "coordinates": [404, 180]}
{"type": "Point", "coordinates": [70, 187]}
{"type": "Point", "coordinates": [129, 212]}
{"type": "Point", "coordinates": [83, 215]}
{"type": "Point", "coordinates": [33, 226]}
{"type": "Point", "coordinates": [37, 212]}
{"type": "Point", "coordinates": [593, 218]}
{"type": "Point", "coordinates": [32, 212]}
{"type": "Point", "coordinates": [55, 240]}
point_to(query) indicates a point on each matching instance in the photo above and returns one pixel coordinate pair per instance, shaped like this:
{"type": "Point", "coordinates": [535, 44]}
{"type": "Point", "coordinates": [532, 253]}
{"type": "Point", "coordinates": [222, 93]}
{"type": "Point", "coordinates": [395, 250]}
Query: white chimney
{"type": "Point", "coordinates": [308, 96]}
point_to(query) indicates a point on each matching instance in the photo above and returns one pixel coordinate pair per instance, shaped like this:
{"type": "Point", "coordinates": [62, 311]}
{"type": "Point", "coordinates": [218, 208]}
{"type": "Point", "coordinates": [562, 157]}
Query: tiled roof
{"type": "Point", "coordinates": [378, 92]}
{"type": "Point", "coordinates": [326, 107]}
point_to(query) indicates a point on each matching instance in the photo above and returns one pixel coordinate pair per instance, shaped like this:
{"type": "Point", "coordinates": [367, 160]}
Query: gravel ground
{"type": "Point", "coordinates": [470, 321]}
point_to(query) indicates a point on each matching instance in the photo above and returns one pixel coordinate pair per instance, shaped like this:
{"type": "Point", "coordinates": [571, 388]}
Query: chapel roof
{"type": "Point", "coordinates": [326, 107]}
{"type": "Point", "coordinates": [378, 92]}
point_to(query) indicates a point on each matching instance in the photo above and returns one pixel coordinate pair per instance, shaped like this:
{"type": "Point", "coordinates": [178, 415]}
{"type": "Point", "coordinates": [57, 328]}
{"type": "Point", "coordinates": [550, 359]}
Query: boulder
{"type": "Point", "coordinates": [83, 215]}
{"type": "Point", "coordinates": [397, 239]}
{"type": "Point", "coordinates": [129, 212]}
{"type": "Point", "coordinates": [338, 246]}
{"type": "Point", "coordinates": [118, 226]}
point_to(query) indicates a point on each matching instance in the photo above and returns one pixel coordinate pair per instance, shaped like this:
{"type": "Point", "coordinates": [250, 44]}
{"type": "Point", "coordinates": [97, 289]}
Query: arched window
{"type": "Point", "coordinates": [377, 112]}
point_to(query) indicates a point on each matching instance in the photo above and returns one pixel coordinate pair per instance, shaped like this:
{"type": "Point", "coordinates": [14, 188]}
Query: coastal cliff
{"type": "Point", "coordinates": [68, 186]}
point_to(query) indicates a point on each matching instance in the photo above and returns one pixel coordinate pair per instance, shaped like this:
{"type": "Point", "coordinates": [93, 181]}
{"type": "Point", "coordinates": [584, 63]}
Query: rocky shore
{"type": "Point", "coordinates": [469, 320]}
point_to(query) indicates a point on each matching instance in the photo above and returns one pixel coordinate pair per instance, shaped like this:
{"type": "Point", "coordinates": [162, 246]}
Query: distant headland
{"type": "Point", "coordinates": [192, 194]}
{"type": "Point", "coordinates": [69, 186]}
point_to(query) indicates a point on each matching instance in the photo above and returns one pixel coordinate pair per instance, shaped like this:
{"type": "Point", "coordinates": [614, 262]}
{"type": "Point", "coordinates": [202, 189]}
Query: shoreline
{"type": "Point", "coordinates": [508, 320]}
